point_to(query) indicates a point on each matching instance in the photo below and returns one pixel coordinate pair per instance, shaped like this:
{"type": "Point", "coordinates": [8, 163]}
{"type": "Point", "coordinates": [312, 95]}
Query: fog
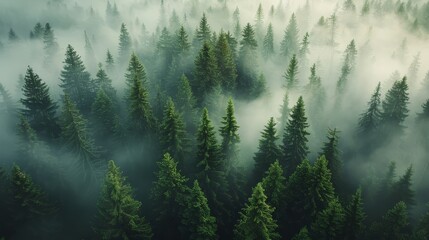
{"type": "Point", "coordinates": [387, 43]}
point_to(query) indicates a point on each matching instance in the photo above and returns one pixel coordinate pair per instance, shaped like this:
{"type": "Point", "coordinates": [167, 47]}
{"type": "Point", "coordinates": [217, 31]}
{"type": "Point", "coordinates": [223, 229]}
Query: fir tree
{"type": "Point", "coordinates": [394, 224]}
{"type": "Point", "coordinates": [246, 62]}
{"type": "Point", "coordinates": [37, 32]}
{"type": "Point", "coordinates": [49, 42]}
{"type": "Point", "coordinates": [230, 138]}
{"type": "Point", "coordinates": [124, 44]}
{"type": "Point", "coordinates": [186, 102]}
{"type": "Point", "coordinates": [329, 222]}
{"type": "Point", "coordinates": [268, 151]}
{"type": "Point", "coordinates": [256, 221]}
{"type": "Point", "coordinates": [331, 153]}
{"type": "Point", "coordinates": [302, 235]}
{"type": "Point", "coordinates": [395, 108]}
{"type": "Point", "coordinates": [76, 81]}
{"type": "Point", "coordinates": [424, 115]}
{"type": "Point", "coordinates": [284, 113]}
{"type": "Point", "coordinates": [105, 121]}
{"type": "Point", "coordinates": [182, 42]}
{"type": "Point", "coordinates": [370, 119]}
{"type": "Point", "coordinates": [422, 231]}
{"type": "Point", "coordinates": [294, 148]}
{"type": "Point", "coordinates": [118, 215]}
{"type": "Point", "coordinates": [168, 193]}
{"type": "Point", "coordinates": [354, 218]}
{"type": "Point", "coordinates": [259, 21]}
{"type": "Point", "coordinates": [102, 81]}
{"type": "Point", "coordinates": [304, 51]}
{"type": "Point", "coordinates": [274, 185]}
{"type": "Point", "coordinates": [203, 32]}
{"type": "Point", "coordinates": [268, 43]}
{"type": "Point", "coordinates": [135, 70]}
{"type": "Point", "coordinates": [109, 61]}
{"type": "Point", "coordinates": [27, 137]}
{"type": "Point", "coordinates": [226, 64]}
{"type": "Point", "coordinates": [172, 133]}
{"type": "Point", "coordinates": [401, 190]}
{"type": "Point", "coordinates": [206, 71]}
{"type": "Point", "coordinates": [12, 36]}
{"type": "Point", "coordinates": [198, 223]}
{"type": "Point", "coordinates": [39, 107]}
{"type": "Point", "coordinates": [290, 43]}
{"type": "Point", "coordinates": [291, 74]}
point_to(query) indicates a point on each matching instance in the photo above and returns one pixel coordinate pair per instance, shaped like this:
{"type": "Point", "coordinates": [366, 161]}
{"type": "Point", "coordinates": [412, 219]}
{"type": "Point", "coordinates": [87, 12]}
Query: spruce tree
{"type": "Point", "coordinates": [424, 115]}
{"type": "Point", "coordinates": [203, 32]}
{"type": "Point", "coordinates": [294, 148]}
{"type": "Point", "coordinates": [354, 218]}
{"type": "Point", "coordinates": [247, 75]}
{"type": "Point", "coordinates": [110, 62]}
{"type": "Point", "coordinates": [370, 119]}
{"type": "Point", "coordinates": [49, 42]}
{"type": "Point", "coordinates": [290, 43]}
{"type": "Point", "coordinates": [37, 32]}
{"type": "Point", "coordinates": [172, 133]}
{"type": "Point", "coordinates": [118, 215]}
{"type": "Point", "coordinates": [197, 221]}
{"type": "Point", "coordinates": [206, 72]}
{"type": "Point", "coordinates": [394, 224]}
{"type": "Point", "coordinates": [259, 21]}
{"type": "Point", "coordinates": [395, 108]}
{"type": "Point", "coordinates": [230, 138]}
{"type": "Point", "coordinates": [302, 235]}
{"type": "Point", "coordinates": [102, 81]}
{"type": "Point", "coordinates": [331, 153]}
{"type": "Point", "coordinates": [76, 81]}
{"type": "Point", "coordinates": [124, 44]}
{"type": "Point", "coordinates": [268, 150]}
{"type": "Point", "coordinates": [135, 71]}
{"type": "Point", "coordinates": [329, 222]}
{"type": "Point", "coordinates": [422, 231]}
{"type": "Point", "coordinates": [182, 42]}
{"type": "Point", "coordinates": [186, 101]}
{"type": "Point", "coordinates": [284, 113]}
{"type": "Point", "coordinates": [268, 44]}
{"type": "Point", "coordinates": [226, 64]}
{"type": "Point", "coordinates": [105, 120]}
{"type": "Point", "coordinates": [12, 36]}
{"type": "Point", "coordinates": [274, 185]}
{"type": "Point", "coordinates": [27, 137]}
{"type": "Point", "coordinates": [304, 51]}
{"type": "Point", "coordinates": [39, 109]}
{"type": "Point", "coordinates": [168, 193]}
{"type": "Point", "coordinates": [256, 221]}
{"type": "Point", "coordinates": [401, 189]}
{"type": "Point", "coordinates": [291, 74]}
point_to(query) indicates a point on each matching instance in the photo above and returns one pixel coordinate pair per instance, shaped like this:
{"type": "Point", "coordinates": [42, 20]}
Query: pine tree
{"type": "Point", "coordinates": [135, 70]}
{"type": "Point", "coordinates": [182, 42]}
{"type": "Point", "coordinates": [422, 231]}
{"type": "Point", "coordinates": [274, 185]}
{"type": "Point", "coordinates": [186, 102]}
{"type": "Point", "coordinates": [230, 138]}
{"type": "Point", "coordinates": [401, 190]}
{"type": "Point", "coordinates": [354, 218]}
{"type": "Point", "coordinates": [39, 109]}
{"type": "Point", "coordinates": [102, 81]}
{"type": "Point", "coordinates": [226, 64]}
{"type": "Point", "coordinates": [329, 222]}
{"type": "Point", "coordinates": [118, 215]}
{"type": "Point", "coordinates": [168, 193]}
{"type": "Point", "coordinates": [395, 108]}
{"type": "Point", "coordinates": [284, 113]}
{"type": "Point", "coordinates": [268, 151]}
{"type": "Point", "coordinates": [198, 223]}
{"type": "Point", "coordinates": [290, 43]}
{"type": "Point", "coordinates": [370, 119]}
{"type": "Point", "coordinates": [302, 235]}
{"type": "Point", "coordinates": [256, 221]}
{"type": "Point", "coordinates": [423, 116]}
{"type": "Point", "coordinates": [124, 44]}
{"type": "Point", "coordinates": [248, 42]}
{"type": "Point", "coordinates": [291, 74]}
{"type": "Point", "coordinates": [259, 21]}
{"type": "Point", "coordinates": [294, 148]}
{"type": "Point", "coordinates": [172, 133]}
{"type": "Point", "coordinates": [104, 118]}
{"type": "Point", "coordinates": [206, 71]}
{"type": "Point", "coordinates": [350, 54]}
{"type": "Point", "coordinates": [27, 137]}
{"type": "Point", "coordinates": [12, 36]}
{"type": "Point", "coordinates": [331, 153]}
{"type": "Point", "coordinates": [304, 51]}
{"type": "Point", "coordinates": [268, 44]}
{"type": "Point", "coordinates": [394, 225]}
{"type": "Point", "coordinates": [247, 74]}
{"type": "Point", "coordinates": [37, 32]}
{"type": "Point", "coordinates": [209, 167]}
{"type": "Point", "coordinates": [75, 137]}
{"type": "Point", "coordinates": [76, 81]}
{"type": "Point", "coordinates": [49, 42]}
{"type": "Point", "coordinates": [203, 32]}
{"type": "Point", "coordinates": [110, 63]}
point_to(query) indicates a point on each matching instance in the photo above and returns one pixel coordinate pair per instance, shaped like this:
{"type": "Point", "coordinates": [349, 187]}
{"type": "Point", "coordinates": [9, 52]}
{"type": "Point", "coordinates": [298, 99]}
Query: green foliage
{"type": "Point", "coordinates": [203, 32]}
{"type": "Point", "coordinates": [49, 42]}
{"type": "Point", "coordinates": [118, 215]}
{"type": "Point", "coordinates": [256, 221]}
{"type": "Point", "coordinates": [349, 5]}
{"type": "Point", "coordinates": [27, 137]}
{"type": "Point", "coordinates": [206, 71]}
{"type": "Point", "coordinates": [291, 74]}
{"type": "Point", "coordinates": [370, 119]}
{"type": "Point", "coordinates": [329, 222]}
{"type": "Point", "coordinates": [304, 51]}
{"type": "Point", "coordinates": [290, 43]}
{"type": "Point", "coordinates": [268, 43]}
{"type": "Point", "coordinates": [182, 41]}
{"type": "Point", "coordinates": [105, 120]}
{"type": "Point", "coordinates": [230, 138]}
{"type": "Point", "coordinates": [124, 44]}
{"type": "Point", "coordinates": [284, 113]}
{"type": "Point", "coordinates": [110, 62]}
{"type": "Point", "coordinates": [395, 108]}
{"type": "Point", "coordinates": [226, 64]}
{"type": "Point", "coordinates": [394, 225]}
{"type": "Point", "coordinates": [331, 152]}
{"type": "Point", "coordinates": [268, 150]}
{"type": "Point", "coordinates": [274, 184]}
{"type": "Point", "coordinates": [39, 109]}
{"type": "Point", "coordinates": [294, 148]}
{"type": "Point", "coordinates": [401, 190]}
{"type": "Point", "coordinates": [302, 235]}
{"type": "Point", "coordinates": [354, 218]}
{"type": "Point", "coordinates": [198, 223]}
{"type": "Point", "coordinates": [102, 81]}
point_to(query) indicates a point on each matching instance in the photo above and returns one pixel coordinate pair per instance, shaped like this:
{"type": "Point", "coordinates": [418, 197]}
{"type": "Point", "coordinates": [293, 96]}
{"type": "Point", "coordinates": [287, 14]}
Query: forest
{"type": "Point", "coordinates": [214, 119]}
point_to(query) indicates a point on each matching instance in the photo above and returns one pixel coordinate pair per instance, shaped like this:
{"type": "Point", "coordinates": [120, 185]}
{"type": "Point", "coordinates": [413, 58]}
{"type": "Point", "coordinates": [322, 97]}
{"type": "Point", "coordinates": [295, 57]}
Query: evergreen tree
{"type": "Point", "coordinates": [75, 137]}
{"type": "Point", "coordinates": [370, 119]}
{"type": "Point", "coordinates": [248, 43]}
{"type": "Point", "coordinates": [37, 32]}
{"type": "Point", "coordinates": [135, 70]}
{"type": "Point", "coordinates": [105, 121]}
{"type": "Point", "coordinates": [350, 54]}
{"type": "Point", "coordinates": [290, 43]}
{"type": "Point", "coordinates": [422, 231]}
{"type": "Point", "coordinates": [284, 113]}
{"type": "Point", "coordinates": [259, 21]}
{"type": "Point", "coordinates": [203, 32]}
{"type": "Point", "coordinates": [331, 153]}
{"type": "Point", "coordinates": [425, 114]}
{"type": "Point", "coordinates": [394, 225]}
{"type": "Point", "coordinates": [230, 138]}
{"type": "Point", "coordinates": [12, 36]}
{"type": "Point", "coordinates": [198, 223]}
{"type": "Point", "coordinates": [109, 61]}
{"type": "Point", "coordinates": [102, 81]}
{"type": "Point", "coordinates": [256, 221]}
{"type": "Point", "coordinates": [304, 51]}
{"type": "Point", "coordinates": [172, 133]}
{"type": "Point", "coordinates": [49, 42]}
{"type": "Point", "coordinates": [39, 107]}
{"type": "Point", "coordinates": [401, 190]}
{"type": "Point", "coordinates": [206, 71]}
{"type": "Point", "coordinates": [210, 169]}
{"type": "Point", "coordinates": [27, 137]}
{"type": "Point", "coordinates": [226, 64]}
{"type": "Point", "coordinates": [186, 101]}
{"type": "Point", "coordinates": [274, 185]}
{"type": "Point", "coordinates": [182, 42]}
{"type": "Point", "coordinates": [76, 81]}
{"type": "Point", "coordinates": [268, 44]}
{"type": "Point", "coordinates": [302, 235]}
{"type": "Point", "coordinates": [118, 215]}
{"type": "Point", "coordinates": [268, 151]}
{"type": "Point", "coordinates": [168, 193]}
{"type": "Point", "coordinates": [354, 218]}
{"type": "Point", "coordinates": [395, 108]}
{"type": "Point", "coordinates": [294, 148]}
{"type": "Point", "coordinates": [349, 5]}
{"type": "Point", "coordinates": [291, 74]}
{"type": "Point", "coordinates": [365, 8]}
{"type": "Point", "coordinates": [329, 222]}
{"type": "Point", "coordinates": [247, 62]}
{"type": "Point", "coordinates": [342, 81]}
{"type": "Point", "coordinates": [124, 44]}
